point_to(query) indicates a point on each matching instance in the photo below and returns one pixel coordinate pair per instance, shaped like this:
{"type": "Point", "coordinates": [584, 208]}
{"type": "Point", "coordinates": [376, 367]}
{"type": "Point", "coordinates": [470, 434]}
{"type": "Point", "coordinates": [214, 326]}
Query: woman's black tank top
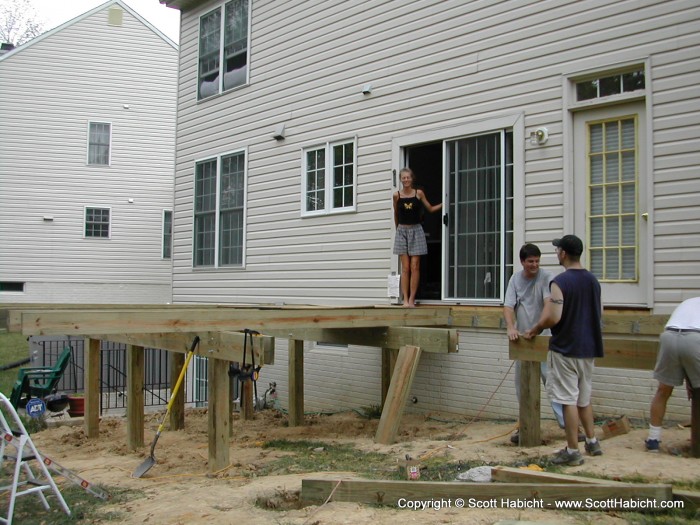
{"type": "Point", "coordinates": [409, 209]}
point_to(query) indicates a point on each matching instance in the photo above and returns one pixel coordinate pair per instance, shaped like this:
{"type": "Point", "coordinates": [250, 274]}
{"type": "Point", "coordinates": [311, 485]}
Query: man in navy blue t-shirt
{"type": "Point", "coordinates": [573, 312]}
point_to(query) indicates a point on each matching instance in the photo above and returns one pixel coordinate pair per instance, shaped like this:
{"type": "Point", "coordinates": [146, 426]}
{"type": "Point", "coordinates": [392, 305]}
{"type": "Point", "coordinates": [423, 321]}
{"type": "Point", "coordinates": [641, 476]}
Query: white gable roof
{"type": "Point", "coordinates": [97, 9]}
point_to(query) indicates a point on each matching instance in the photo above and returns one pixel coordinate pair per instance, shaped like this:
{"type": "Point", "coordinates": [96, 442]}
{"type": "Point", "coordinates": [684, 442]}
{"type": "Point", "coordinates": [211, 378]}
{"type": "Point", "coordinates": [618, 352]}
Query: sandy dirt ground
{"type": "Point", "coordinates": [178, 490]}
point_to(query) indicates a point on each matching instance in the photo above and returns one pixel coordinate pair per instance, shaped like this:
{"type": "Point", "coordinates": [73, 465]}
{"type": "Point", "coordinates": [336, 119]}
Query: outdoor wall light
{"type": "Point", "coordinates": [539, 136]}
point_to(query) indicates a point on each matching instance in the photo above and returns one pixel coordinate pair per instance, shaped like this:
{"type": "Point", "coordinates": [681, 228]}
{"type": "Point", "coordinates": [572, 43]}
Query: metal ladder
{"type": "Point", "coordinates": [25, 452]}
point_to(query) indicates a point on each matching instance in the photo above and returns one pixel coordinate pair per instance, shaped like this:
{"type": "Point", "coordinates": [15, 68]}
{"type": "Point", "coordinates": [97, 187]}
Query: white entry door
{"type": "Point", "coordinates": [609, 201]}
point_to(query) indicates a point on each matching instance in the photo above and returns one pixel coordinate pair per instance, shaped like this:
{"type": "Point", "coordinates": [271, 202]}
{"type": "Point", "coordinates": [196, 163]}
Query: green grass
{"type": "Point", "coordinates": [85, 508]}
{"type": "Point", "coordinates": [13, 347]}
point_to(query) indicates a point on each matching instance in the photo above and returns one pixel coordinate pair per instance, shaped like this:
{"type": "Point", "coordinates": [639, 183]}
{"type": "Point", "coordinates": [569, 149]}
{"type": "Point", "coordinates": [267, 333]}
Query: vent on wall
{"type": "Point", "coordinates": [115, 16]}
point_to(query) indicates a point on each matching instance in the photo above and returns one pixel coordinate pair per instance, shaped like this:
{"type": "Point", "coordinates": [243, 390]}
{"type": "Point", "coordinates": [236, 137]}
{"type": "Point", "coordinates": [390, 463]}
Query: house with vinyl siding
{"type": "Point", "coordinates": [87, 142]}
{"type": "Point", "coordinates": [526, 119]}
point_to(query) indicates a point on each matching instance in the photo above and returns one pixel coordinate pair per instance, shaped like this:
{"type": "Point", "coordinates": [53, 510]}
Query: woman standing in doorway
{"type": "Point", "coordinates": [409, 242]}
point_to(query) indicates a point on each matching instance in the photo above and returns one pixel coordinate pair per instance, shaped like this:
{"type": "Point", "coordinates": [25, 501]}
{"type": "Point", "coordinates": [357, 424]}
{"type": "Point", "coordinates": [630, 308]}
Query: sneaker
{"type": "Point", "coordinates": [652, 445]}
{"type": "Point", "coordinates": [563, 457]}
{"type": "Point", "coordinates": [594, 449]}
{"type": "Point", "coordinates": [515, 438]}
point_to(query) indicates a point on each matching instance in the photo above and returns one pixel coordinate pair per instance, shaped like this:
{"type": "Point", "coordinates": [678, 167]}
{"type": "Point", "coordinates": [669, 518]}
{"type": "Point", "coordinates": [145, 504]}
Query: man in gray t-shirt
{"type": "Point", "coordinates": [525, 296]}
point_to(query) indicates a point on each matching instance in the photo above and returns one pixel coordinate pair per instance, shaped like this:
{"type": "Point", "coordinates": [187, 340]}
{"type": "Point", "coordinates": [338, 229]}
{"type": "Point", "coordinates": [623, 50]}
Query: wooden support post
{"type": "Point", "coordinates": [177, 409]}
{"type": "Point", "coordinates": [218, 393]}
{"type": "Point", "coordinates": [296, 382]}
{"type": "Point", "coordinates": [134, 397]}
{"type": "Point", "coordinates": [92, 388]}
{"type": "Point", "coordinates": [399, 389]}
{"type": "Point", "coordinates": [530, 377]}
{"type": "Point", "coordinates": [247, 394]}
{"type": "Point", "coordinates": [695, 423]}
{"type": "Point", "coordinates": [388, 364]}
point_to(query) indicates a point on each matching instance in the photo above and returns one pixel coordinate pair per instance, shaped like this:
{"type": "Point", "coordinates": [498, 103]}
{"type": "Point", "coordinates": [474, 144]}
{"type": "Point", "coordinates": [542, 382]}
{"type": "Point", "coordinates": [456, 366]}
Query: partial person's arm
{"type": "Point", "coordinates": [551, 313]}
{"type": "Point", "coordinates": [395, 198]}
{"type": "Point", "coordinates": [428, 206]}
{"type": "Point", "coordinates": [509, 315]}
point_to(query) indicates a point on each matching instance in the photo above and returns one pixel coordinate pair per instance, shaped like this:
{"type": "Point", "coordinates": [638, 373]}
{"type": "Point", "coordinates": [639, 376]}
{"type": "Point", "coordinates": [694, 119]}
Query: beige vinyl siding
{"type": "Point", "coordinates": [87, 70]}
{"type": "Point", "coordinates": [434, 65]}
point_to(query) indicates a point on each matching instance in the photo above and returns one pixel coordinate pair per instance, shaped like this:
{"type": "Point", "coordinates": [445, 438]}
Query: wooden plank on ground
{"type": "Point", "coordinates": [71, 322]}
{"type": "Point", "coordinates": [399, 389]}
{"type": "Point", "coordinates": [638, 352]}
{"type": "Point", "coordinates": [227, 346]}
{"type": "Point", "coordinates": [524, 475]}
{"type": "Point", "coordinates": [383, 492]}
{"type": "Point", "coordinates": [218, 415]}
{"type": "Point", "coordinates": [296, 382]}
{"type": "Point", "coordinates": [134, 397]}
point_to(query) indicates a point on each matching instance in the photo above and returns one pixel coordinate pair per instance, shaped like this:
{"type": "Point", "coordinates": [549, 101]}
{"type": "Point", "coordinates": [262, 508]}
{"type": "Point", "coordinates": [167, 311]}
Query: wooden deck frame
{"type": "Point", "coordinates": [426, 329]}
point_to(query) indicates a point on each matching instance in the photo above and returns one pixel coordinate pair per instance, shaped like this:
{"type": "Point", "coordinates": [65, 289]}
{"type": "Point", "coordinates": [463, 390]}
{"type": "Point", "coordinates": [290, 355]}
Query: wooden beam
{"type": "Point", "coordinates": [493, 495]}
{"type": "Point", "coordinates": [437, 340]}
{"type": "Point", "coordinates": [622, 322]}
{"type": "Point", "coordinates": [71, 322]}
{"type": "Point", "coordinates": [399, 389]}
{"type": "Point", "coordinates": [134, 397]}
{"type": "Point", "coordinates": [530, 376]}
{"type": "Point", "coordinates": [227, 346]}
{"type": "Point", "coordinates": [389, 356]}
{"type": "Point", "coordinates": [296, 382]}
{"type": "Point", "coordinates": [92, 388]}
{"type": "Point", "coordinates": [218, 415]}
{"type": "Point", "coordinates": [177, 409]}
{"type": "Point", "coordinates": [638, 352]}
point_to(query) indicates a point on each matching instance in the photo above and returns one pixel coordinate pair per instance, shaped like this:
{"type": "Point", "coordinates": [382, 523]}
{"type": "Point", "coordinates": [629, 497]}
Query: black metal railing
{"type": "Point", "coordinates": [45, 351]}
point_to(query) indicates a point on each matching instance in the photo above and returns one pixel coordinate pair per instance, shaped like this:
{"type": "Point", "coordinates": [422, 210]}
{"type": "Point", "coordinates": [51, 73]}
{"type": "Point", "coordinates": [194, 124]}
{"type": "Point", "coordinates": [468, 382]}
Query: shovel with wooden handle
{"type": "Point", "coordinates": [151, 460]}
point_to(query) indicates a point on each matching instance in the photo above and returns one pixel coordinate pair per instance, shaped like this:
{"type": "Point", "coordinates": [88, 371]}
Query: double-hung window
{"type": "Point", "coordinates": [99, 142]}
{"type": "Point", "coordinates": [219, 210]}
{"type": "Point", "coordinates": [97, 222]}
{"type": "Point", "coordinates": [223, 48]}
{"type": "Point", "coordinates": [329, 178]}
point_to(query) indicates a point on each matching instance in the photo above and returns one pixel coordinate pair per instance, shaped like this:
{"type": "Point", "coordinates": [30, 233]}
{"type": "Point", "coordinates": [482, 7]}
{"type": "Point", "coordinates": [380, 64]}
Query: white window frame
{"type": "Point", "coordinates": [513, 121]}
{"type": "Point", "coordinates": [328, 208]}
{"type": "Point", "coordinates": [89, 144]}
{"type": "Point", "coordinates": [222, 31]}
{"type": "Point", "coordinates": [109, 228]}
{"type": "Point", "coordinates": [217, 210]}
{"type": "Point", "coordinates": [164, 233]}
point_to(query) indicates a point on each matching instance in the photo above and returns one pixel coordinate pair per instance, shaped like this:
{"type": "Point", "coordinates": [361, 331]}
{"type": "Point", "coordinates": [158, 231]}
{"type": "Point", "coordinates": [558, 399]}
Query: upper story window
{"type": "Point", "coordinates": [99, 142]}
{"type": "Point", "coordinates": [219, 205]}
{"type": "Point", "coordinates": [329, 178]}
{"type": "Point", "coordinates": [167, 234]}
{"type": "Point", "coordinates": [609, 85]}
{"type": "Point", "coordinates": [97, 222]}
{"type": "Point", "coordinates": [223, 48]}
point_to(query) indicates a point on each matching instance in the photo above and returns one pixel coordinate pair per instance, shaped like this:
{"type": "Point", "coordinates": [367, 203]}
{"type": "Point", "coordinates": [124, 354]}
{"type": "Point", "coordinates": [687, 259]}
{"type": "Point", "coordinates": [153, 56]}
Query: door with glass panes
{"type": "Point", "coordinates": [478, 233]}
{"type": "Point", "coordinates": [609, 199]}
